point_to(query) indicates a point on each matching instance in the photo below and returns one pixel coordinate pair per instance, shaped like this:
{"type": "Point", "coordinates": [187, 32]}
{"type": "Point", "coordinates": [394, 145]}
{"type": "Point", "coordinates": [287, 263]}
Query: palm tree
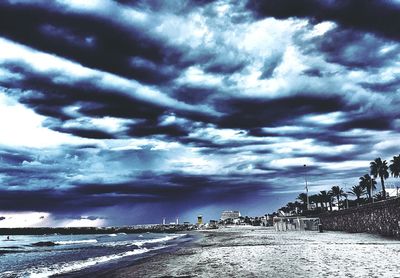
{"type": "Point", "coordinates": [291, 206]}
{"type": "Point", "coordinates": [337, 192]}
{"type": "Point", "coordinates": [367, 182]}
{"type": "Point", "coordinates": [380, 168]}
{"type": "Point", "coordinates": [302, 198]}
{"type": "Point", "coordinates": [357, 191]}
{"type": "Point", "coordinates": [326, 198]}
{"type": "Point", "coordinates": [314, 199]}
{"type": "Point", "coordinates": [395, 166]}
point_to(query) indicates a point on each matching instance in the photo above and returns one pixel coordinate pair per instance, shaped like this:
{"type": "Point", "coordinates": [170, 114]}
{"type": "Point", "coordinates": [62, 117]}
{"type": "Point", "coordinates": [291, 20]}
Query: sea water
{"type": "Point", "coordinates": [40, 256]}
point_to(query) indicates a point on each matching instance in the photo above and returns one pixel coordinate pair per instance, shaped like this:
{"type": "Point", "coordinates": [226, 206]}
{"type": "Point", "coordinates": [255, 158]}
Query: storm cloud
{"type": "Point", "coordinates": [177, 108]}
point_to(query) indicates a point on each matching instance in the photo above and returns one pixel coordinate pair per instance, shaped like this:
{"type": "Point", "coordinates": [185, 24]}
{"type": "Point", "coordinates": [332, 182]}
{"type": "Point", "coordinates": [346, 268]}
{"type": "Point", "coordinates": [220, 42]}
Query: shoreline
{"type": "Point", "coordinates": [107, 269]}
{"type": "Point", "coordinates": [249, 251]}
{"type": "Point", "coordinates": [142, 264]}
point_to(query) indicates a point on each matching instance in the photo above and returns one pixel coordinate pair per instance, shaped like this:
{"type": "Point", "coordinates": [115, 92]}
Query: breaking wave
{"type": "Point", "coordinates": [78, 265]}
{"type": "Point", "coordinates": [76, 241]}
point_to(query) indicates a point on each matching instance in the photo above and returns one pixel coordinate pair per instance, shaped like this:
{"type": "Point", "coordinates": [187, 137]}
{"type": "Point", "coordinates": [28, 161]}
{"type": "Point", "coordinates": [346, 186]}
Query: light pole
{"type": "Point", "coordinates": [372, 187]}
{"type": "Point", "coordinates": [305, 178]}
{"type": "Point", "coordinates": [345, 195]}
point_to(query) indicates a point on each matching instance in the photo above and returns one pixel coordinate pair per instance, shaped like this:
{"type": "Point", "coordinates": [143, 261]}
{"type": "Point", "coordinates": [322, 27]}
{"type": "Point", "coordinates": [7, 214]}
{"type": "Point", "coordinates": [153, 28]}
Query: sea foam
{"type": "Point", "coordinates": [75, 241]}
{"type": "Point", "coordinates": [78, 265]}
{"type": "Point", "coordinates": [140, 243]}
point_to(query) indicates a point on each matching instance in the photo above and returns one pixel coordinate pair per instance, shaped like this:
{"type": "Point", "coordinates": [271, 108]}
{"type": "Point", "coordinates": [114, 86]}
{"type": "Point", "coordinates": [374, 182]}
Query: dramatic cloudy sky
{"type": "Point", "coordinates": [121, 112]}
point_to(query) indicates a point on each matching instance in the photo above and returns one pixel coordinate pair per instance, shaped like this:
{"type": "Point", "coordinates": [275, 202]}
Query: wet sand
{"type": "Point", "coordinates": [263, 252]}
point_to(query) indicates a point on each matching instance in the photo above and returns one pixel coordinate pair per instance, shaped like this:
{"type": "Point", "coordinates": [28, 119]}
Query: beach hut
{"type": "Point", "coordinates": [296, 223]}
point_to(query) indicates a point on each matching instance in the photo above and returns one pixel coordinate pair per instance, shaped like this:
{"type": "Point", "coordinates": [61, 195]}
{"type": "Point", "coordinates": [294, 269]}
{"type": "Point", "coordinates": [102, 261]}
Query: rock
{"type": "Point", "coordinates": [44, 243]}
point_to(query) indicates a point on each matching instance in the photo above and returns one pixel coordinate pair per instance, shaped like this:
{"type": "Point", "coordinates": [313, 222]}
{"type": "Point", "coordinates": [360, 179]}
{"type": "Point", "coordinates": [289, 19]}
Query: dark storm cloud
{"type": "Point", "coordinates": [366, 122]}
{"type": "Point", "coordinates": [353, 49]}
{"type": "Point", "coordinates": [55, 96]}
{"type": "Point", "coordinates": [384, 87]}
{"type": "Point", "coordinates": [90, 40]}
{"type": "Point", "coordinates": [87, 133]}
{"type": "Point", "coordinates": [316, 175]}
{"type": "Point", "coordinates": [99, 42]}
{"type": "Point", "coordinates": [216, 101]}
{"type": "Point", "coordinates": [33, 176]}
{"type": "Point", "coordinates": [12, 157]}
{"type": "Point", "coordinates": [338, 138]}
{"type": "Point", "coordinates": [33, 169]}
{"type": "Point", "coordinates": [173, 188]}
{"type": "Point", "coordinates": [194, 94]}
{"type": "Point", "coordinates": [149, 128]}
{"type": "Point", "coordinates": [162, 6]}
{"type": "Point", "coordinates": [252, 113]}
{"type": "Point", "coordinates": [339, 157]}
{"type": "Point", "coordinates": [51, 200]}
{"type": "Point", "coordinates": [50, 98]}
{"type": "Point", "coordinates": [323, 134]}
{"type": "Point", "coordinates": [224, 67]}
{"type": "Point", "coordinates": [378, 16]}
{"type": "Point", "coordinates": [230, 146]}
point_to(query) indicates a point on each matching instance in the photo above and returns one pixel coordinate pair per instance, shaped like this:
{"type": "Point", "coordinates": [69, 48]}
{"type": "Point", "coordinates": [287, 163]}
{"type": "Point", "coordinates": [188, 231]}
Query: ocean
{"type": "Point", "coordinates": [42, 256]}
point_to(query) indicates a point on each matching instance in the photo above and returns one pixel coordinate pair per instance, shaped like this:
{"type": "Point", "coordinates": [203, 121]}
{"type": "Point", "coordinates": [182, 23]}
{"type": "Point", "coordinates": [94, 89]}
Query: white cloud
{"type": "Point", "coordinates": [83, 222]}
{"type": "Point", "coordinates": [24, 219]}
{"type": "Point", "coordinates": [22, 127]}
{"type": "Point", "coordinates": [109, 124]}
{"type": "Point", "coordinates": [45, 219]}
{"type": "Point", "coordinates": [40, 61]}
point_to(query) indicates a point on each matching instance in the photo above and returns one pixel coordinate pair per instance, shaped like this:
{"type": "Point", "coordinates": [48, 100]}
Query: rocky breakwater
{"type": "Point", "coordinates": [153, 228]}
{"type": "Point", "coordinates": [378, 218]}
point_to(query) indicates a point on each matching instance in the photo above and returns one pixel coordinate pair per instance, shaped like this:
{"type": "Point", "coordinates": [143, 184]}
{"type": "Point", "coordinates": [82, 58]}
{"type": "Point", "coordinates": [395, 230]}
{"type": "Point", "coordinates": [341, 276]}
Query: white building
{"type": "Point", "coordinates": [230, 214]}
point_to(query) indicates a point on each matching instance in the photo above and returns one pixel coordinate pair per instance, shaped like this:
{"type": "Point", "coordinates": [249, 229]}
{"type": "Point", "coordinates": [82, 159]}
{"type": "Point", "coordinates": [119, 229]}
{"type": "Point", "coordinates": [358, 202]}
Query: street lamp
{"type": "Point", "coordinates": [305, 178]}
{"type": "Point", "coordinates": [372, 187]}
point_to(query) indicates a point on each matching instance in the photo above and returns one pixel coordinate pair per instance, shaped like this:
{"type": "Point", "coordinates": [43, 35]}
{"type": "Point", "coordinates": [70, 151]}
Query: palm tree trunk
{"type": "Point", "coordinates": [330, 205]}
{"type": "Point", "coordinates": [369, 193]}
{"type": "Point", "coordinates": [383, 188]}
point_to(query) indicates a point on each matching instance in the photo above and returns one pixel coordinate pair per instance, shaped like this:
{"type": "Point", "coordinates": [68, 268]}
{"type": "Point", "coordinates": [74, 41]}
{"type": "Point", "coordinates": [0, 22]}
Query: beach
{"type": "Point", "coordinates": [246, 251]}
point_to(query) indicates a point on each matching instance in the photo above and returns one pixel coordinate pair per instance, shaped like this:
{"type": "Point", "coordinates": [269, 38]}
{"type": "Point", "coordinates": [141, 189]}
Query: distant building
{"type": "Point", "coordinates": [213, 224]}
{"type": "Point", "coordinates": [200, 219]}
{"type": "Point", "coordinates": [230, 214]}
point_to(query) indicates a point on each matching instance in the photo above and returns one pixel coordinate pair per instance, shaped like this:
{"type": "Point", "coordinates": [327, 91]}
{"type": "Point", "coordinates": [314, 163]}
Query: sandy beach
{"type": "Point", "coordinates": [262, 252]}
